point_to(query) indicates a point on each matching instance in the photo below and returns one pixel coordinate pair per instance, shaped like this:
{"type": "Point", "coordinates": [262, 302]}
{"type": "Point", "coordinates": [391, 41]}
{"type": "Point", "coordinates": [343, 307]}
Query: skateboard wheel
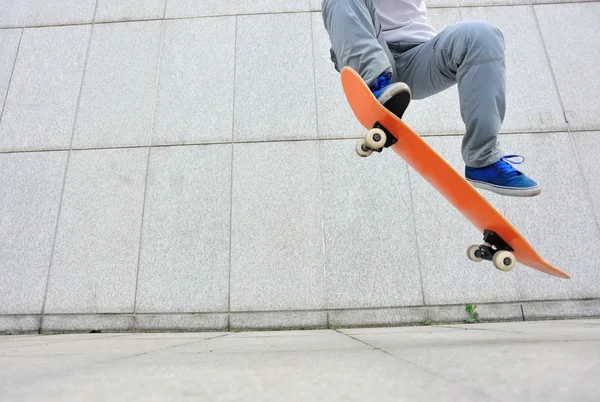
{"type": "Point", "coordinates": [362, 149]}
{"type": "Point", "coordinates": [472, 253]}
{"type": "Point", "coordinates": [376, 138]}
{"type": "Point", "coordinates": [504, 260]}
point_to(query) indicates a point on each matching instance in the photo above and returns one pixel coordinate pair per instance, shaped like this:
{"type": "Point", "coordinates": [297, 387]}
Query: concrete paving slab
{"type": "Point", "coordinates": [528, 361]}
{"type": "Point", "coordinates": [181, 322]}
{"type": "Point", "coordinates": [294, 376]}
{"type": "Point", "coordinates": [278, 320]}
{"type": "Point", "coordinates": [558, 371]}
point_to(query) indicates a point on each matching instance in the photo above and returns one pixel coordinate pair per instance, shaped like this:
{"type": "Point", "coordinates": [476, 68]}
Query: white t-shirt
{"type": "Point", "coordinates": [404, 21]}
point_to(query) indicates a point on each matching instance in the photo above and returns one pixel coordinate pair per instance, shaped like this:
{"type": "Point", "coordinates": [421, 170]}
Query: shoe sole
{"type": "Point", "coordinates": [508, 191]}
{"type": "Point", "coordinates": [396, 98]}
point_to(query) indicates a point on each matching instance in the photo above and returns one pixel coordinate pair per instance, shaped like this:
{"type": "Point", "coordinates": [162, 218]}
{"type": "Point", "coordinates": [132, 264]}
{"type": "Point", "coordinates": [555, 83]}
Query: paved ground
{"type": "Point", "coordinates": [525, 361]}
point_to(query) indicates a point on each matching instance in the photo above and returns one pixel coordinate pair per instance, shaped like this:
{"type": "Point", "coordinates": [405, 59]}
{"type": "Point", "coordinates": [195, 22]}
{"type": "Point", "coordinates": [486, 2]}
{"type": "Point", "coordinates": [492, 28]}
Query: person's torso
{"type": "Point", "coordinates": [404, 21]}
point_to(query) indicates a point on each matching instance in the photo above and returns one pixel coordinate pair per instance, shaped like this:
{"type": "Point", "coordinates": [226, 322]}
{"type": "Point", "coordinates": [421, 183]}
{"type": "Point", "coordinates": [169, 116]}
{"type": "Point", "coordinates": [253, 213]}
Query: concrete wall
{"type": "Point", "coordinates": [190, 165]}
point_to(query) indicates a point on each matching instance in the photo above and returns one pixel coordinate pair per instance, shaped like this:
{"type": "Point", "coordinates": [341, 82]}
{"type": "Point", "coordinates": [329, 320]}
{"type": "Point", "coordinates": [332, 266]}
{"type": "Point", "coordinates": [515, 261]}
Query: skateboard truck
{"type": "Point", "coordinates": [376, 139]}
{"type": "Point", "coordinates": [493, 249]}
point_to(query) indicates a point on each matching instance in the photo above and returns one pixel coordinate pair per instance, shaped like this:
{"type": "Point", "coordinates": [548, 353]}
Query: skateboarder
{"type": "Point", "coordinates": [390, 44]}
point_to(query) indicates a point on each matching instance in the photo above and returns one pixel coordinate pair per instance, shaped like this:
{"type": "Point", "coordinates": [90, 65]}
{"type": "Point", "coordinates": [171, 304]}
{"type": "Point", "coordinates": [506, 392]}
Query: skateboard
{"type": "Point", "coordinates": [503, 245]}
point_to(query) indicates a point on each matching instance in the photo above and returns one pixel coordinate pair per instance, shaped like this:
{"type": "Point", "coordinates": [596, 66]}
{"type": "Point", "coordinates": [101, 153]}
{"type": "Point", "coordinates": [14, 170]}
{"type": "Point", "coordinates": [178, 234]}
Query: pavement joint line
{"type": "Point", "coordinates": [433, 373]}
{"type": "Point", "coordinates": [481, 329]}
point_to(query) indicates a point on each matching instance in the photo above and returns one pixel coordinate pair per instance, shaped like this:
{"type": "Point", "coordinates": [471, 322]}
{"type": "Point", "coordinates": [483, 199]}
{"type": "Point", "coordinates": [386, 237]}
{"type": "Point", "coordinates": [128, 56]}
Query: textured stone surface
{"type": "Point", "coordinates": [570, 32]}
{"type": "Point", "coordinates": [564, 308]}
{"type": "Point", "coordinates": [586, 145]}
{"type": "Point", "coordinates": [30, 186]}
{"type": "Point", "coordinates": [18, 324]}
{"type": "Point", "coordinates": [271, 6]}
{"type": "Point", "coordinates": [96, 253]}
{"type": "Point", "coordinates": [279, 320]}
{"type": "Point", "coordinates": [42, 99]}
{"type": "Point", "coordinates": [277, 238]}
{"type": "Point", "coordinates": [184, 261]}
{"type": "Point", "coordinates": [561, 215]}
{"type": "Point", "coordinates": [274, 81]}
{"type": "Point", "coordinates": [59, 12]}
{"type": "Point", "coordinates": [470, 3]}
{"type": "Point", "coordinates": [532, 102]}
{"type": "Point", "coordinates": [503, 362]}
{"type": "Point", "coordinates": [127, 10]}
{"type": "Point", "coordinates": [117, 99]}
{"type": "Point", "coordinates": [415, 315]}
{"type": "Point", "coordinates": [86, 323]}
{"type": "Point", "coordinates": [193, 8]}
{"type": "Point", "coordinates": [13, 13]}
{"type": "Point", "coordinates": [9, 43]}
{"type": "Point", "coordinates": [195, 90]}
{"type": "Point", "coordinates": [371, 250]}
{"type": "Point", "coordinates": [181, 322]}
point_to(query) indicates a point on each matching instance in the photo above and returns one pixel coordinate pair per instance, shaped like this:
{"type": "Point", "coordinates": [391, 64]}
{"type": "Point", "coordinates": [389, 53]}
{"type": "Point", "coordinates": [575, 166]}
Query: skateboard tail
{"type": "Point", "coordinates": [441, 175]}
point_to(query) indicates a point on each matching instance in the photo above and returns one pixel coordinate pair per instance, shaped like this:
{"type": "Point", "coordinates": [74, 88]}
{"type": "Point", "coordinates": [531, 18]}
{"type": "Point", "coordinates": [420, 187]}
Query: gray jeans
{"type": "Point", "coordinates": [470, 54]}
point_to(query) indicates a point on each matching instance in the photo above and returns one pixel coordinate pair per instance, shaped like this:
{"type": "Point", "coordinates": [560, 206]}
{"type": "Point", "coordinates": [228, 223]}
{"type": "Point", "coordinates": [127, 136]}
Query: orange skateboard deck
{"type": "Point", "coordinates": [502, 241]}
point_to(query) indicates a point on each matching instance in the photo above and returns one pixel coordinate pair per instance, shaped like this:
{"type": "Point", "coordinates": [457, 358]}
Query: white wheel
{"type": "Point", "coordinates": [471, 253]}
{"type": "Point", "coordinates": [504, 260]}
{"type": "Point", "coordinates": [375, 138]}
{"type": "Point", "coordinates": [362, 149]}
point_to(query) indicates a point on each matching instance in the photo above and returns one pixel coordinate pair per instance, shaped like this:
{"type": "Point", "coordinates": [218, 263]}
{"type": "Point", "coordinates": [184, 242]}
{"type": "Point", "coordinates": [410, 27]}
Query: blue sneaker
{"type": "Point", "coordinates": [393, 96]}
{"type": "Point", "coordinates": [502, 178]}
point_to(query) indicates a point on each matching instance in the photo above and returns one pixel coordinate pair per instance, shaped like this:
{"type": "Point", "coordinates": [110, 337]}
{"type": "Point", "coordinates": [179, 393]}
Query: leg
{"type": "Point", "coordinates": [357, 41]}
{"type": "Point", "coordinates": [356, 38]}
{"type": "Point", "coordinates": [472, 55]}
